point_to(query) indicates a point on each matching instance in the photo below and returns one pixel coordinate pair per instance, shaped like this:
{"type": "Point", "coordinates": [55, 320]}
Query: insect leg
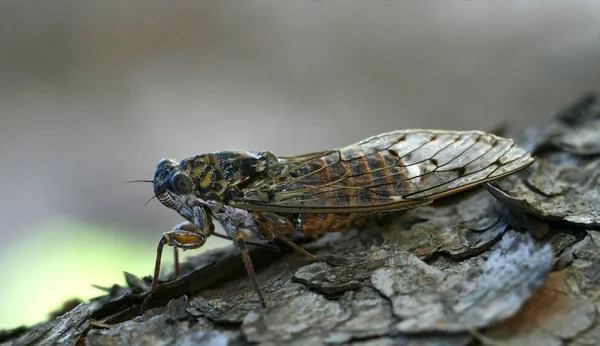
{"type": "Point", "coordinates": [239, 241]}
{"type": "Point", "coordinates": [231, 219]}
{"type": "Point", "coordinates": [263, 245]}
{"type": "Point", "coordinates": [271, 224]}
{"type": "Point", "coordinates": [176, 261]}
{"type": "Point", "coordinates": [186, 236]}
{"type": "Point", "coordinates": [178, 239]}
{"type": "Point", "coordinates": [159, 250]}
{"type": "Point", "coordinates": [182, 226]}
{"type": "Point", "coordinates": [187, 226]}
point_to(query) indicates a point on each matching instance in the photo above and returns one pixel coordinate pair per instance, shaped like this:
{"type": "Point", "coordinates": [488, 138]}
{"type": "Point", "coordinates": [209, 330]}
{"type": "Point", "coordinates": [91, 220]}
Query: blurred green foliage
{"type": "Point", "coordinates": [61, 258]}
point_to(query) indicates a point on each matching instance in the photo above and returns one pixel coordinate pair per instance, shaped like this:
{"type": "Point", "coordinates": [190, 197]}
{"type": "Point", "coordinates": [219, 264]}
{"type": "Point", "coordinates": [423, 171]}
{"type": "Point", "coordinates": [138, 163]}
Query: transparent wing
{"type": "Point", "coordinates": [390, 171]}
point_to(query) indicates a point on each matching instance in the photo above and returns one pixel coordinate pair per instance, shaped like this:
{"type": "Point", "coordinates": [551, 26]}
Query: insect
{"type": "Point", "coordinates": [326, 191]}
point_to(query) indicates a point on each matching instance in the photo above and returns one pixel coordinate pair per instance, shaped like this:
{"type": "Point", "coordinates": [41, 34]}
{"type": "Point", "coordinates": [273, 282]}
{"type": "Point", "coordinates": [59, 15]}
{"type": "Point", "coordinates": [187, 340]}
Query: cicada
{"type": "Point", "coordinates": [326, 191]}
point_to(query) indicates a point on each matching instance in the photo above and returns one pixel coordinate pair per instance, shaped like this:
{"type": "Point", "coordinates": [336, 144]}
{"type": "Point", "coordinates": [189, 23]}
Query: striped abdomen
{"type": "Point", "coordinates": [392, 171]}
{"type": "Point", "coordinates": [352, 176]}
{"type": "Point", "coordinates": [317, 224]}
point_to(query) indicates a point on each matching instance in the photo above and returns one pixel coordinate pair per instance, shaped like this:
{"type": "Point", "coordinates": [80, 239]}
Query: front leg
{"type": "Point", "coordinates": [183, 230]}
{"type": "Point", "coordinates": [185, 236]}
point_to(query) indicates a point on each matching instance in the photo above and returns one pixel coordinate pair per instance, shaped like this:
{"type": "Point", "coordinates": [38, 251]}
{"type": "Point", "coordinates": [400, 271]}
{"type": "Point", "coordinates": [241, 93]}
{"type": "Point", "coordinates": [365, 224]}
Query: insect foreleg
{"type": "Point", "coordinates": [186, 236]}
{"type": "Point", "coordinates": [187, 226]}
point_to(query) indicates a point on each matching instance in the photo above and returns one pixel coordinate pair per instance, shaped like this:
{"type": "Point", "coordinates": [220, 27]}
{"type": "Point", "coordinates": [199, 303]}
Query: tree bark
{"type": "Point", "coordinates": [515, 262]}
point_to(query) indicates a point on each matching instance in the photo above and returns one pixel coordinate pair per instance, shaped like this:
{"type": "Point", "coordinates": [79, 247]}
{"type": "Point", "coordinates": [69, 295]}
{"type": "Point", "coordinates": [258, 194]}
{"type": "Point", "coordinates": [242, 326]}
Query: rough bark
{"type": "Point", "coordinates": [516, 262]}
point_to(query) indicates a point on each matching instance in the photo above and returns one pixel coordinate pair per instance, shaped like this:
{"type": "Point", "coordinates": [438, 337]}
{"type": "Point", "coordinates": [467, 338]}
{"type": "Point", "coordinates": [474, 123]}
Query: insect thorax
{"type": "Point", "coordinates": [213, 173]}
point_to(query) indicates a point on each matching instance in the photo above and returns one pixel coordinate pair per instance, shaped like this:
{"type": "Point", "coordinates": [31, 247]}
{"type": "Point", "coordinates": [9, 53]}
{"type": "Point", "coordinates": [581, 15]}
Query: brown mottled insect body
{"type": "Point", "coordinates": [332, 190]}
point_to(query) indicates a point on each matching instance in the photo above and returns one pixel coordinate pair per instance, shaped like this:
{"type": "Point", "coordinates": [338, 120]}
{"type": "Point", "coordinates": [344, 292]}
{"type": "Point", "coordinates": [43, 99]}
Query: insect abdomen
{"type": "Point", "coordinates": [353, 178]}
{"type": "Point", "coordinates": [317, 224]}
{"type": "Point", "coordinates": [392, 171]}
{"type": "Point", "coordinates": [373, 175]}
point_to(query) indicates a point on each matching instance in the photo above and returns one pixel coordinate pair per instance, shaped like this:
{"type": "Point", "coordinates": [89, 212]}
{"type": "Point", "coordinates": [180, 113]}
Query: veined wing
{"type": "Point", "coordinates": [390, 171]}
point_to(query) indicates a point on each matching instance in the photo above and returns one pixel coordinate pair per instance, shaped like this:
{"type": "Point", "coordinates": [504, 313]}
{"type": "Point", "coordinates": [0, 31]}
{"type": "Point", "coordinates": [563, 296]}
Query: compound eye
{"type": "Point", "coordinates": [182, 184]}
{"type": "Point", "coordinates": [165, 162]}
{"type": "Point", "coordinates": [164, 165]}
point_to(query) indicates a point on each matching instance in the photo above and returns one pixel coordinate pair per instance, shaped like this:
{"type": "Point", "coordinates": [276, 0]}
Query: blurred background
{"type": "Point", "coordinates": [94, 93]}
